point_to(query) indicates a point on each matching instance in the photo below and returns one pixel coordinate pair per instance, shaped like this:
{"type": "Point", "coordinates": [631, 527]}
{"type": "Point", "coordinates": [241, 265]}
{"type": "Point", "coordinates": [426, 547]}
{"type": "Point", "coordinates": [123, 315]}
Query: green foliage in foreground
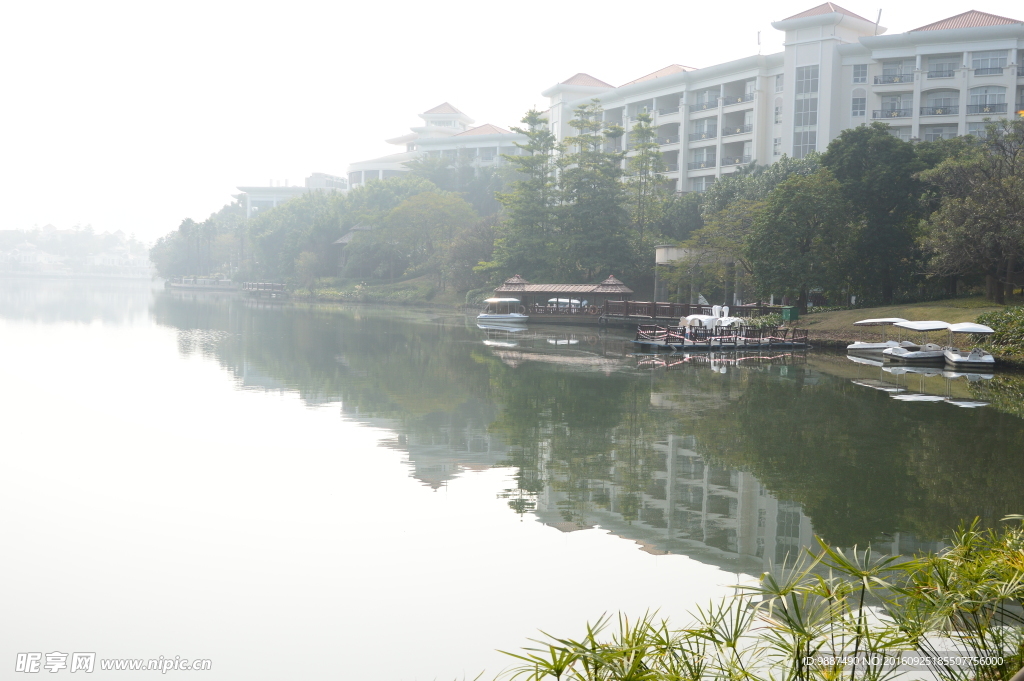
{"type": "Point", "coordinates": [836, 604]}
{"type": "Point", "coordinates": [1008, 325]}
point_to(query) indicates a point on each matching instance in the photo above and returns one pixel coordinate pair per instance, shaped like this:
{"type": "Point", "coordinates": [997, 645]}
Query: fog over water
{"type": "Point", "coordinates": [298, 492]}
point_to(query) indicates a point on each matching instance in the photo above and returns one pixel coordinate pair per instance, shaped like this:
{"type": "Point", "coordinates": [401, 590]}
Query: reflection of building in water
{"type": "Point", "coordinates": [439, 447]}
{"type": "Point", "coordinates": [690, 506]}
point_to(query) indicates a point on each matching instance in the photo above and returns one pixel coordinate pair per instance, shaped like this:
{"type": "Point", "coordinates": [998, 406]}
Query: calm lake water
{"type": "Point", "coordinates": [359, 493]}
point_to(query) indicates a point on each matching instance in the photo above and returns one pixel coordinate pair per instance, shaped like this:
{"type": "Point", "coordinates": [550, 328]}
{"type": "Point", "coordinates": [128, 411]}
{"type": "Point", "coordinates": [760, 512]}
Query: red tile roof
{"type": "Point", "coordinates": [970, 19]}
{"type": "Point", "coordinates": [485, 129]}
{"type": "Point", "coordinates": [826, 8]}
{"type": "Point", "coordinates": [445, 108]}
{"type": "Point", "coordinates": [667, 71]}
{"type": "Point", "coordinates": [585, 79]}
{"type": "Point", "coordinates": [517, 283]}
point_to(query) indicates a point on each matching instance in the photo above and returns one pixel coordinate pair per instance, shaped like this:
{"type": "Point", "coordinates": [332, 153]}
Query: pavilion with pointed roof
{"type": "Point", "coordinates": [552, 302]}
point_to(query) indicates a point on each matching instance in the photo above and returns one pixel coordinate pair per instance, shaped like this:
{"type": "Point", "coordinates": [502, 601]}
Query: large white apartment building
{"type": "Point", "coordinates": [837, 71]}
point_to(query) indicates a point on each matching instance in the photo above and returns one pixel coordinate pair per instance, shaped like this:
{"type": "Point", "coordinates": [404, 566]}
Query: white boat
{"type": "Point", "coordinates": [928, 353]}
{"type": "Point", "coordinates": [975, 358]}
{"type": "Point", "coordinates": [503, 310]}
{"type": "Point", "coordinates": [866, 349]}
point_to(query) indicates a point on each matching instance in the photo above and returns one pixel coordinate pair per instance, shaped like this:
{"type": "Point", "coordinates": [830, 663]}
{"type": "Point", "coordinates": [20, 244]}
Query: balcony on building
{"type": "Point", "coordinates": [950, 110]}
{"type": "Point", "coordinates": [668, 134]}
{"type": "Point", "coordinates": [705, 100]}
{"type": "Point", "coordinates": [892, 113]}
{"type": "Point", "coordinates": [633, 111]}
{"type": "Point", "coordinates": [706, 162]}
{"type": "Point", "coordinates": [934, 133]}
{"type": "Point", "coordinates": [738, 92]}
{"type": "Point", "coordinates": [942, 65]}
{"type": "Point", "coordinates": [897, 72]}
{"type": "Point", "coordinates": [998, 108]}
{"type": "Point", "coordinates": [735, 153]}
{"type": "Point", "coordinates": [671, 161]}
{"type": "Point", "coordinates": [989, 62]}
{"type": "Point", "coordinates": [703, 130]}
{"type": "Point", "coordinates": [667, 105]}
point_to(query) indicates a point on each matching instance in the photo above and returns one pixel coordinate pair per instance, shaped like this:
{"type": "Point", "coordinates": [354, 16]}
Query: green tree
{"type": "Point", "coordinates": [877, 173]}
{"type": "Point", "coordinates": [647, 190]}
{"type": "Point", "coordinates": [527, 237]}
{"type": "Point", "coordinates": [979, 225]}
{"type": "Point", "coordinates": [799, 239]}
{"type": "Point", "coordinates": [427, 226]}
{"type": "Point", "coordinates": [592, 216]}
{"type": "Point", "coordinates": [681, 216]}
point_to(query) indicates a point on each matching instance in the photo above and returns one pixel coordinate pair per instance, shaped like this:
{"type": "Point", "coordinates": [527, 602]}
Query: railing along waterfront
{"type": "Point", "coordinates": [986, 108]}
{"type": "Point", "coordinates": [737, 129]}
{"type": "Point", "coordinates": [264, 286]}
{"type": "Point", "coordinates": [203, 281]}
{"type": "Point", "coordinates": [655, 310]}
{"type": "Point", "coordinates": [940, 110]}
{"type": "Point", "coordinates": [704, 135]}
{"type": "Point", "coordinates": [892, 113]}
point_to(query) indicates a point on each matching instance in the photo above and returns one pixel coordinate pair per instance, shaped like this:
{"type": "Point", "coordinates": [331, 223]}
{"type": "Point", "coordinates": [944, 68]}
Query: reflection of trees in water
{"type": "Point", "coordinates": [80, 300]}
{"type": "Point", "coordinates": [859, 464]}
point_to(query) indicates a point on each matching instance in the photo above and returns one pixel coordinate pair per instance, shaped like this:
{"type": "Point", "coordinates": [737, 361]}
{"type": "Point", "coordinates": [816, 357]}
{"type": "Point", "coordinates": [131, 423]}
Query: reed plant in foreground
{"type": "Point", "coordinates": [827, 615]}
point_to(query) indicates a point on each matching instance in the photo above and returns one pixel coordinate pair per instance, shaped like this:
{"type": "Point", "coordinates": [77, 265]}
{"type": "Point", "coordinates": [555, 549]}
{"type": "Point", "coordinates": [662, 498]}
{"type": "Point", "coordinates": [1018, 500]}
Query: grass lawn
{"type": "Point", "coordinates": [839, 325]}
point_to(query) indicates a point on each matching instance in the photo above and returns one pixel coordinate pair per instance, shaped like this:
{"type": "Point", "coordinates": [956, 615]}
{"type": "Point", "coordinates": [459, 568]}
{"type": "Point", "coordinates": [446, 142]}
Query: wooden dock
{"type": "Point", "coordinates": [263, 289]}
{"type": "Point", "coordinates": [631, 313]}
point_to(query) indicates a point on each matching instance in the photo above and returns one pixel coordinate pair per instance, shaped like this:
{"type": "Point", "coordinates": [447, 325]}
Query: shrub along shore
{"type": "Point", "coordinates": [826, 614]}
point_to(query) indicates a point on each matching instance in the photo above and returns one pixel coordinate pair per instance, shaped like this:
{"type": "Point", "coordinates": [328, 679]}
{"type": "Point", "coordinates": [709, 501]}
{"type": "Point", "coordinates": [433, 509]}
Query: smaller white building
{"type": "Point", "coordinates": [446, 132]}
{"type": "Point", "coordinates": [262, 198]}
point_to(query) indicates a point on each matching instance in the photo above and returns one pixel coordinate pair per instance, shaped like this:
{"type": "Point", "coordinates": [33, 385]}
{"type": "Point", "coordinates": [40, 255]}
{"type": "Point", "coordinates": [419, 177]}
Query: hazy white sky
{"type": "Point", "coordinates": [135, 115]}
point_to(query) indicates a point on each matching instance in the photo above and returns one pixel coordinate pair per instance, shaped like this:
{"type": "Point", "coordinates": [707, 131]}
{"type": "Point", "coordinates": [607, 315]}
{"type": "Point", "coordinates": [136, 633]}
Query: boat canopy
{"type": "Point", "coordinates": [705, 320]}
{"type": "Point", "coordinates": [501, 300]}
{"type": "Point", "coordinates": [728, 321]}
{"type": "Point", "coordinates": [880, 321]}
{"type": "Point", "coordinates": [970, 327]}
{"type": "Point", "coordinates": [933, 325]}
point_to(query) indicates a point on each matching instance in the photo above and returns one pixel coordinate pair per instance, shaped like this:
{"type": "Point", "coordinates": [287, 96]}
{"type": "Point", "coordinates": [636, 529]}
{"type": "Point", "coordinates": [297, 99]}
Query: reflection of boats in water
{"type": "Point", "coordinates": [703, 332]}
{"type": "Point", "coordinates": [580, 350]}
{"type": "Point", "coordinates": [902, 392]}
{"type": "Point", "coordinates": [718, 360]}
{"type": "Point", "coordinates": [503, 310]}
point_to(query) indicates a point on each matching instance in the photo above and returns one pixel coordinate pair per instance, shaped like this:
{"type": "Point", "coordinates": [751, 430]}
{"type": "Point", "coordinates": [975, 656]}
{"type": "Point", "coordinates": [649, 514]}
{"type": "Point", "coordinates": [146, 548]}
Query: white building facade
{"type": "Point", "coordinates": [837, 71]}
{"type": "Point", "coordinates": [446, 132]}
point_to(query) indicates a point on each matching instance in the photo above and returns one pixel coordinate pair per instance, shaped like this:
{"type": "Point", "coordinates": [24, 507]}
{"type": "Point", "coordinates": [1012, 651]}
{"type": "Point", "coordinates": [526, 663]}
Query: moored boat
{"type": "Point", "coordinates": [975, 358]}
{"type": "Point", "coordinates": [927, 353]}
{"type": "Point", "coordinates": [875, 349]}
{"type": "Point", "coordinates": [503, 311]}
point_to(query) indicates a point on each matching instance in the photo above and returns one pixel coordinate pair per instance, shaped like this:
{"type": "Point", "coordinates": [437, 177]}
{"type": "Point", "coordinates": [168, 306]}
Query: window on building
{"type": "Point", "coordinates": [778, 83]}
{"type": "Point", "coordinates": [902, 132]}
{"type": "Point", "coordinates": [901, 103]}
{"type": "Point", "coordinates": [979, 130]}
{"type": "Point", "coordinates": [898, 67]}
{"type": "Point", "coordinates": [804, 143]}
{"type": "Point", "coordinates": [933, 133]}
{"type": "Point", "coordinates": [991, 94]}
{"type": "Point", "coordinates": [806, 79]}
{"type": "Point", "coordinates": [859, 108]}
{"type": "Point", "coordinates": [943, 65]}
{"type": "Point", "coordinates": [943, 98]}
{"type": "Point", "coordinates": [805, 112]}
{"type": "Point", "coordinates": [699, 184]}
{"type": "Point", "coordinates": [860, 73]}
{"type": "Point", "coordinates": [777, 146]}
{"type": "Point", "coordinates": [778, 110]}
{"type": "Point", "coordinates": [991, 60]}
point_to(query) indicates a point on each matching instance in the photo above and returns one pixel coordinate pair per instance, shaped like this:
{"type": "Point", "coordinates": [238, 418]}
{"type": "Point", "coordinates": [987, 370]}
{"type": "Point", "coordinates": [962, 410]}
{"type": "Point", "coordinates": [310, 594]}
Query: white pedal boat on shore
{"type": "Point", "coordinates": [866, 349]}
{"type": "Point", "coordinates": [927, 353]}
{"type": "Point", "coordinates": [973, 359]}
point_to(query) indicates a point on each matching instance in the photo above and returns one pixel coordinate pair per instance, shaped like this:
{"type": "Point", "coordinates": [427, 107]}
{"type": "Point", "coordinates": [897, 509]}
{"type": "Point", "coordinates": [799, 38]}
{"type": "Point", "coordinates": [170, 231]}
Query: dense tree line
{"type": "Point", "coordinates": [872, 216]}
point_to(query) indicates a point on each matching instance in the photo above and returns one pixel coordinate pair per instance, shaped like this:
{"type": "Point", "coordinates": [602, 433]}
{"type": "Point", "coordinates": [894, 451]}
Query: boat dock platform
{"type": "Point", "coordinates": [630, 313]}
{"type": "Point", "coordinates": [654, 338]}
